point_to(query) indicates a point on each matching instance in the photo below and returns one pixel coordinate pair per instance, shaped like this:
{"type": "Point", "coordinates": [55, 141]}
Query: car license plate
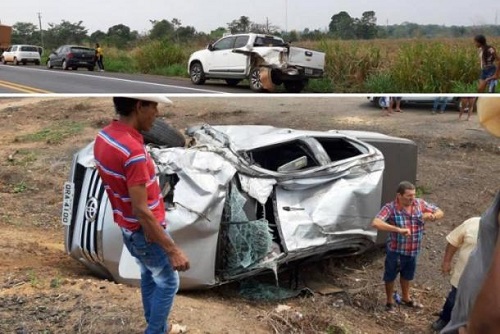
{"type": "Point", "coordinates": [308, 71]}
{"type": "Point", "coordinates": [67, 211]}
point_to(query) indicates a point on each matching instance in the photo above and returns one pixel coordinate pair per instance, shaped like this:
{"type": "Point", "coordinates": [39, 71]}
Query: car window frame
{"type": "Point", "coordinates": [233, 38]}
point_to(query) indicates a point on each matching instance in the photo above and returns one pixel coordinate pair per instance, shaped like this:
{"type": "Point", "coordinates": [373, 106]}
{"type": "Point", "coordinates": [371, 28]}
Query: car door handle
{"type": "Point", "coordinates": [288, 208]}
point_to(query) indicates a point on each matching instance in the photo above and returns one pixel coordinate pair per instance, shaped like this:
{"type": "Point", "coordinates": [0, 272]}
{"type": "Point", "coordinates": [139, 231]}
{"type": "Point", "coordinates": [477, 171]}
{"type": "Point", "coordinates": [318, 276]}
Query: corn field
{"type": "Point", "coordinates": [375, 66]}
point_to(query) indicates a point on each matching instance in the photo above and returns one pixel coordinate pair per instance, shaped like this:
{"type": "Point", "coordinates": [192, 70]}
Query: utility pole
{"type": "Point", "coordinates": [286, 16]}
{"type": "Point", "coordinates": [41, 31]}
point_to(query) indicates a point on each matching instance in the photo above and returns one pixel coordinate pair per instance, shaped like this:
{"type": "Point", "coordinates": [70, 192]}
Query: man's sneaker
{"type": "Point", "coordinates": [438, 325]}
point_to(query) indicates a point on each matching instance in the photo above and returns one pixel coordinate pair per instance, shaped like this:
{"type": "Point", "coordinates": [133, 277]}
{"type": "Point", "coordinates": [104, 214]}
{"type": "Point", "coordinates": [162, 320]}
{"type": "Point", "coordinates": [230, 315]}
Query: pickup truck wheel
{"type": "Point", "coordinates": [294, 86]}
{"type": "Point", "coordinates": [254, 79]}
{"type": "Point", "coordinates": [163, 134]}
{"type": "Point", "coordinates": [196, 73]}
{"type": "Point", "coordinates": [233, 82]}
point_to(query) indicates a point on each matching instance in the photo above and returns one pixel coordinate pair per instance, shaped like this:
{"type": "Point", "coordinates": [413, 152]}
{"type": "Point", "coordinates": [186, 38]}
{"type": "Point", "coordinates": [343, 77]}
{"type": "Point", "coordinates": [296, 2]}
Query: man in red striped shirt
{"type": "Point", "coordinates": [128, 173]}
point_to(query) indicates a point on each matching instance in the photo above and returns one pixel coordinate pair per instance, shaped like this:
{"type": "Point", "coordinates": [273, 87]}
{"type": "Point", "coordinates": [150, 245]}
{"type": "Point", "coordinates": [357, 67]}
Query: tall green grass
{"type": "Point", "coordinates": [375, 66]}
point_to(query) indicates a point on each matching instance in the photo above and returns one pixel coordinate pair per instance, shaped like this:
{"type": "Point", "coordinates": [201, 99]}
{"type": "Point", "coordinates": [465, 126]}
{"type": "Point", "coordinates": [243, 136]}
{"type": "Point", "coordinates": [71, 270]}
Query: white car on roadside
{"type": "Point", "coordinates": [22, 54]}
{"type": "Point", "coordinates": [252, 56]}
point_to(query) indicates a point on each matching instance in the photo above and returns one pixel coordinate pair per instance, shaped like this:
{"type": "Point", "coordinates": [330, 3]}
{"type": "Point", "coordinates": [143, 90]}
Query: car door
{"type": "Point", "coordinates": [238, 62]}
{"type": "Point", "coordinates": [57, 56]}
{"type": "Point", "coordinates": [8, 54]}
{"type": "Point", "coordinates": [219, 59]}
{"type": "Point", "coordinates": [331, 209]}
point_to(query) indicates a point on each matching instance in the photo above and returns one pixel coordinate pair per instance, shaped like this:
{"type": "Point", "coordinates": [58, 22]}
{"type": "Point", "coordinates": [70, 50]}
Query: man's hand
{"type": "Point", "coordinates": [429, 216]}
{"type": "Point", "coordinates": [178, 259]}
{"type": "Point", "coordinates": [405, 232]}
{"type": "Point", "coordinates": [446, 267]}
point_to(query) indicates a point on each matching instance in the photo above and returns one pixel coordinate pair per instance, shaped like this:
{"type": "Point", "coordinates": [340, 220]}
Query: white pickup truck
{"type": "Point", "coordinates": [266, 61]}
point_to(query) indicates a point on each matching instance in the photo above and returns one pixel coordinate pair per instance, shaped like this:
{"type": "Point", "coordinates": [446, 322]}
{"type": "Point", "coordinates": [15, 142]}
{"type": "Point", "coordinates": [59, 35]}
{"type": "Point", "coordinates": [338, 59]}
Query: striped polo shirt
{"type": "Point", "coordinates": [122, 161]}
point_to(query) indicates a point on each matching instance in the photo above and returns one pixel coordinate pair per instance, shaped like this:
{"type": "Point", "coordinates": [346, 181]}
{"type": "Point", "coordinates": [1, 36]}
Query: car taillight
{"type": "Point", "coordinates": [70, 55]}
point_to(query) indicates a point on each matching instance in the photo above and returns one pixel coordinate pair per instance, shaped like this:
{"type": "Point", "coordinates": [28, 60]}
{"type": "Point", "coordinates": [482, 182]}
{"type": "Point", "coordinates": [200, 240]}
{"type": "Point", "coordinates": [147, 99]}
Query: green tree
{"type": "Point", "coordinates": [161, 29]}
{"type": "Point", "coordinates": [217, 33]}
{"type": "Point", "coordinates": [98, 36]}
{"type": "Point", "coordinates": [366, 27]}
{"type": "Point", "coordinates": [25, 33]}
{"type": "Point", "coordinates": [65, 33]}
{"type": "Point", "coordinates": [242, 24]}
{"type": "Point", "coordinates": [119, 35]}
{"type": "Point", "coordinates": [342, 26]}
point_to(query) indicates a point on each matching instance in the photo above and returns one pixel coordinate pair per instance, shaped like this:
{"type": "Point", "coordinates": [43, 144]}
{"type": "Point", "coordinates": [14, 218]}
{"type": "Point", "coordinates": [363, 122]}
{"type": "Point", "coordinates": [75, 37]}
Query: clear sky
{"type": "Point", "coordinates": [206, 15]}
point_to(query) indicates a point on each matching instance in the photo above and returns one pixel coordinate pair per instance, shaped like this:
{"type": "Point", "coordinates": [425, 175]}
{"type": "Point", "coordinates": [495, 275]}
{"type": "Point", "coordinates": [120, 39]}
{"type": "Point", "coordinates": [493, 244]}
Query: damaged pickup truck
{"type": "Point", "coordinates": [266, 61]}
{"type": "Point", "coordinates": [244, 199]}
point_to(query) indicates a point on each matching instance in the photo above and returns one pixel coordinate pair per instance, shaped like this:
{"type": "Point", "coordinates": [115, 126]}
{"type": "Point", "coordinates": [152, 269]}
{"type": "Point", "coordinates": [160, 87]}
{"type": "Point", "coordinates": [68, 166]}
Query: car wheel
{"type": "Point", "coordinates": [380, 102]}
{"type": "Point", "coordinates": [16, 62]}
{"type": "Point", "coordinates": [3, 61]}
{"type": "Point", "coordinates": [49, 65]}
{"type": "Point", "coordinates": [294, 86]}
{"type": "Point", "coordinates": [163, 134]}
{"type": "Point", "coordinates": [233, 82]}
{"type": "Point", "coordinates": [37, 62]}
{"type": "Point", "coordinates": [196, 73]}
{"type": "Point", "coordinates": [65, 65]}
{"type": "Point", "coordinates": [254, 79]}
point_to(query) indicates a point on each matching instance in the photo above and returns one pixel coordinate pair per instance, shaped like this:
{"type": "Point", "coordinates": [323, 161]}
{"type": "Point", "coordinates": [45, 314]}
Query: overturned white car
{"type": "Point", "coordinates": [243, 199]}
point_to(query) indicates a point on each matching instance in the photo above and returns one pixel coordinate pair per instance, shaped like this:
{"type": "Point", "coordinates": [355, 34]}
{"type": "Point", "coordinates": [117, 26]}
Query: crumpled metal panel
{"type": "Point", "coordinates": [321, 214]}
{"type": "Point", "coordinates": [199, 196]}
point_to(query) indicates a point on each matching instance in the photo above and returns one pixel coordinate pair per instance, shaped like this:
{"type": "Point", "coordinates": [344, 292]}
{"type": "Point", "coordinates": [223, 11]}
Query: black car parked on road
{"type": "Point", "coordinates": [72, 57]}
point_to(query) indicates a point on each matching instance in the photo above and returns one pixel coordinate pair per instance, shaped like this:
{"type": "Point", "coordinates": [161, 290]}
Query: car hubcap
{"type": "Point", "coordinates": [255, 79]}
{"type": "Point", "coordinates": [196, 73]}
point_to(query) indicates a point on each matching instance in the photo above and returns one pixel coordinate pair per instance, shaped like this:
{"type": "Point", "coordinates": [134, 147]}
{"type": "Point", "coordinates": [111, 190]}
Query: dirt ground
{"type": "Point", "coordinates": [42, 290]}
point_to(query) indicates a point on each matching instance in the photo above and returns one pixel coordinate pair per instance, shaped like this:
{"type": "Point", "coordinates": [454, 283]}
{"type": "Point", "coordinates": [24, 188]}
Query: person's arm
{"type": "Point", "coordinates": [448, 256]}
{"type": "Point", "coordinates": [485, 314]}
{"type": "Point", "coordinates": [153, 231]}
{"type": "Point", "coordinates": [381, 225]}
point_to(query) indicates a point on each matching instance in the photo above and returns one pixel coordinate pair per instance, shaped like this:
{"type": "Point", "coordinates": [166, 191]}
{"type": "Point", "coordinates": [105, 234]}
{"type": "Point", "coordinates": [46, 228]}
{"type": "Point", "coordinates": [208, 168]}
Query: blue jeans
{"type": "Point", "coordinates": [159, 281]}
{"type": "Point", "coordinates": [440, 102]}
{"type": "Point", "coordinates": [448, 305]}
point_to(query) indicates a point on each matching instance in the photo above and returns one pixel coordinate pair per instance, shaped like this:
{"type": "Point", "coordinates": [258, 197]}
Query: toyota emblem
{"type": "Point", "coordinates": [91, 209]}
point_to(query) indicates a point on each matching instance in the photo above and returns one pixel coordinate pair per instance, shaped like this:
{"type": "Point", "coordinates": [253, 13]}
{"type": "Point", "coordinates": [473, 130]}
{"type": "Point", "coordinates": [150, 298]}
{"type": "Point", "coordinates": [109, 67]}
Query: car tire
{"type": "Point", "coordinates": [254, 80]}
{"type": "Point", "coordinates": [196, 73]}
{"type": "Point", "coordinates": [65, 65]}
{"type": "Point", "coordinates": [163, 134]}
{"type": "Point", "coordinates": [379, 102]}
{"type": "Point", "coordinates": [295, 86]}
{"type": "Point", "coordinates": [37, 62]}
{"type": "Point", "coordinates": [49, 65]}
{"type": "Point", "coordinates": [3, 61]}
{"type": "Point", "coordinates": [233, 82]}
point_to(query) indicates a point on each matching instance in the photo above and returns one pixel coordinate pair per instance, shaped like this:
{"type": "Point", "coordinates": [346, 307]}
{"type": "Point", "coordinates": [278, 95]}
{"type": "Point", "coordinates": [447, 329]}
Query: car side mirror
{"type": "Point", "coordinates": [210, 47]}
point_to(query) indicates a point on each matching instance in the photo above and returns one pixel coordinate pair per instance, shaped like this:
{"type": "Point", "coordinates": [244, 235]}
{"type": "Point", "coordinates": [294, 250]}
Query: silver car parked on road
{"type": "Point", "coordinates": [243, 199]}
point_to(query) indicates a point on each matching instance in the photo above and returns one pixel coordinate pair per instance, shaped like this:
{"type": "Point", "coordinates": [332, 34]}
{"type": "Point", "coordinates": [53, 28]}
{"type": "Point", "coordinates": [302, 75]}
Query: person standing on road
{"type": "Point", "coordinates": [462, 239]}
{"type": "Point", "coordinates": [99, 56]}
{"type": "Point", "coordinates": [396, 102]}
{"type": "Point", "coordinates": [404, 219]}
{"type": "Point", "coordinates": [439, 104]}
{"type": "Point", "coordinates": [490, 63]}
{"type": "Point", "coordinates": [128, 173]}
{"type": "Point", "coordinates": [466, 105]}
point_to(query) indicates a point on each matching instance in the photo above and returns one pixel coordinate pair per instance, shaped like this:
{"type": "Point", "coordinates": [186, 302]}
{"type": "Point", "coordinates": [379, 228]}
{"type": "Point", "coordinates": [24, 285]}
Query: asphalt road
{"type": "Point", "coordinates": [38, 80]}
